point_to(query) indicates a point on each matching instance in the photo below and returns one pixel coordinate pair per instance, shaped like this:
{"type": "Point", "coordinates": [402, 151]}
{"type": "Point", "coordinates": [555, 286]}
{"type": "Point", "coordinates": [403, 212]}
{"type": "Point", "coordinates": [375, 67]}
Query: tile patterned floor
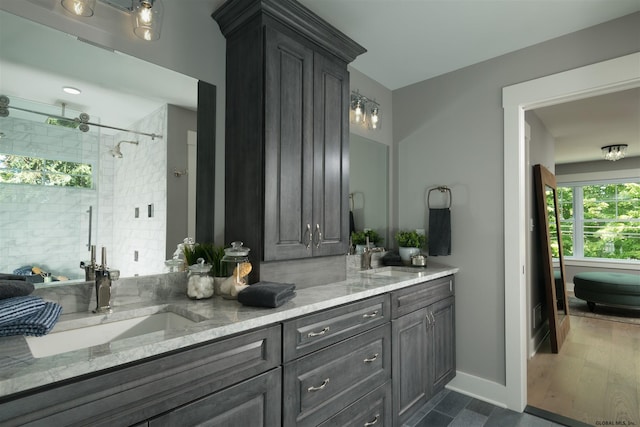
{"type": "Point", "coordinates": [452, 409]}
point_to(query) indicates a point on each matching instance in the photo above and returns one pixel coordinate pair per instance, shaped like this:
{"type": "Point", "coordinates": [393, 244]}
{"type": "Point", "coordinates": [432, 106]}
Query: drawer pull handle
{"type": "Point", "coordinates": [371, 359]}
{"type": "Point", "coordinates": [318, 334]}
{"type": "Point", "coordinates": [320, 387]}
{"type": "Point", "coordinates": [374, 421]}
{"type": "Point", "coordinates": [370, 315]}
{"type": "Point", "coordinates": [309, 234]}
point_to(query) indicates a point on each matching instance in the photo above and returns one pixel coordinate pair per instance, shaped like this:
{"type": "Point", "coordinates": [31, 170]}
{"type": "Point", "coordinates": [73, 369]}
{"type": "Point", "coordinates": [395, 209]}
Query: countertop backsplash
{"type": "Point", "coordinates": [81, 297]}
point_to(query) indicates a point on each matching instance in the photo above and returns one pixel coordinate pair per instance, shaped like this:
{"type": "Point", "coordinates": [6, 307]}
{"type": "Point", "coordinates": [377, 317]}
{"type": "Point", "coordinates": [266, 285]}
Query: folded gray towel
{"type": "Point", "coordinates": [14, 308]}
{"type": "Point", "coordinates": [36, 324]}
{"type": "Point", "coordinates": [6, 276]}
{"type": "Point", "coordinates": [267, 294]}
{"type": "Point", "coordinates": [15, 288]}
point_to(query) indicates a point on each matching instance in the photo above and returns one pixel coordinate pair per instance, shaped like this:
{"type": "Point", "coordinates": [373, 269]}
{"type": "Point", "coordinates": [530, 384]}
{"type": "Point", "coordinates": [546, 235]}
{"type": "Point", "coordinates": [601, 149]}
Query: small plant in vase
{"type": "Point", "coordinates": [359, 238]}
{"type": "Point", "coordinates": [409, 244]}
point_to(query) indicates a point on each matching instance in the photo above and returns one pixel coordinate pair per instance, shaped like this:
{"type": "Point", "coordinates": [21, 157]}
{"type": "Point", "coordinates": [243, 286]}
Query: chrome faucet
{"type": "Point", "coordinates": [90, 269]}
{"type": "Point", "coordinates": [366, 255]}
{"type": "Point", "coordinates": [104, 276]}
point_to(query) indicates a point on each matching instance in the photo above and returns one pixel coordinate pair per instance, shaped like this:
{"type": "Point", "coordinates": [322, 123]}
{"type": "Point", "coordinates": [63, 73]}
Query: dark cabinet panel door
{"type": "Point", "coordinates": [288, 148]}
{"type": "Point", "coordinates": [331, 157]}
{"type": "Point", "coordinates": [410, 368]}
{"type": "Point", "coordinates": [252, 403]}
{"type": "Point", "coordinates": [442, 343]}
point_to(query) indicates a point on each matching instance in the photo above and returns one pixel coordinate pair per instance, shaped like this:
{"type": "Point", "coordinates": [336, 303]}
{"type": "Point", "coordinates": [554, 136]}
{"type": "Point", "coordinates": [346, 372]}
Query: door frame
{"type": "Point", "coordinates": [591, 80]}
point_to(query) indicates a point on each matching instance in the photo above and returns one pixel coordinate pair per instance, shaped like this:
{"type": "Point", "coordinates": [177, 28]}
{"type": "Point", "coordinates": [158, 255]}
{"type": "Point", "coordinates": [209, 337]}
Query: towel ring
{"type": "Point", "coordinates": [442, 189]}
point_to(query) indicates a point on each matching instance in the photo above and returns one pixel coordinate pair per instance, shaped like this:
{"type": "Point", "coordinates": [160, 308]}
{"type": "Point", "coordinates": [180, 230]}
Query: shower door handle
{"type": "Point", "coordinates": [90, 212]}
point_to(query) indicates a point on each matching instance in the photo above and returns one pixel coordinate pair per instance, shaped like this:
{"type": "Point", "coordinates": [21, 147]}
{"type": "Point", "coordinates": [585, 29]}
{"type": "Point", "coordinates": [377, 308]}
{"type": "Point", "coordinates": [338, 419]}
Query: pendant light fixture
{"type": "Point", "coordinates": [83, 8]}
{"type": "Point", "coordinates": [147, 19]}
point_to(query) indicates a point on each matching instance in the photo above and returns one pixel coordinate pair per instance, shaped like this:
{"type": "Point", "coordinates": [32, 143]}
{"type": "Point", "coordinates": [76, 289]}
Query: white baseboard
{"type": "Point", "coordinates": [479, 388]}
{"type": "Point", "coordinates": [538, 338]}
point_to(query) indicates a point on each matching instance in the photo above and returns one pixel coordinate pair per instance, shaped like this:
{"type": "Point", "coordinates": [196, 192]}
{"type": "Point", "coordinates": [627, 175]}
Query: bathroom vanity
{"type": "Point", "coordinates": [370, 349]}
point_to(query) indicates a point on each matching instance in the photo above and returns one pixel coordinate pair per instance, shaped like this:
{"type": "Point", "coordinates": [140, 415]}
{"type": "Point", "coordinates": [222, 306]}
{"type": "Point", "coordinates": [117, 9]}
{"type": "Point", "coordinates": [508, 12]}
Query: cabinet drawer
{"type": "Point", "coordinates": [409, 299]}
{"type": "Point", "coordinates": [143, 390]}
{"type": "Point", "coordinates": [310, 333]}
{"type": "Point", "coordinates": [372, 410]}
{"type": "Point", "coordinates": [252, 403]}
{"type": "Point", "coordinates": [321, 384]}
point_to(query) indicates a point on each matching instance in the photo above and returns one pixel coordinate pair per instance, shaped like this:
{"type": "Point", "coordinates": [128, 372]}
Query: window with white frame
{"type": "Point", "coordinates": [16, 169]}
{"type": "Point", "coordinates": [600, 220]}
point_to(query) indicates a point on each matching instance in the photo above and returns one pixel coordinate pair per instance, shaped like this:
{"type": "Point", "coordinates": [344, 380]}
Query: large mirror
{"type": "Point", "coordinates": [134, 183]}
{"type": "Point", "coordinates": [551, 248]}
{"type": "Point", "coordinates": [369, 185]}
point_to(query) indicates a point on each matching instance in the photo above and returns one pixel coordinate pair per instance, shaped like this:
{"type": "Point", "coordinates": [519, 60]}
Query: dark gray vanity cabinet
{"type": "Point", "coordinates": [287, 130]}
{"type": "Point", "coordinates": [252, 403]}
{"type": "Point", "coordinates": [423, 344]}
{"type": "Point", "coordinates": [214, 381]}
{"type": "Point", "coordinates": [337, 366]}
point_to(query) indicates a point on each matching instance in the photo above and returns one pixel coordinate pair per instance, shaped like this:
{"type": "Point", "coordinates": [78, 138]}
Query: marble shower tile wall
{"type": "Point", "coordinates": [104, 214]}
{"type": "Point", "coordinates": [45, 226]}
{"type": "Point", "coordinates": [140, 181]}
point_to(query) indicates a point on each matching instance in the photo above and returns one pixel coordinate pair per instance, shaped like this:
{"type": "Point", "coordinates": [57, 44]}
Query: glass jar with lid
{"type": "Point", "coordinates": [199, 281]}
{"type": "Point", "coordinates": [235, 266]}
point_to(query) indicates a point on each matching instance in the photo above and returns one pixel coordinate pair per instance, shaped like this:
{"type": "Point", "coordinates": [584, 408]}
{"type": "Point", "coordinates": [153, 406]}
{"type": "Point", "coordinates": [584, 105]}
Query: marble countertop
{"type": "Point", "coordinates": [215, 318]}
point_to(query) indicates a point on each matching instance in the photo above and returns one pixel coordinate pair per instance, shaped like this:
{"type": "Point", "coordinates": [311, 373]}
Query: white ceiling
{"type": "Point", "coordinates": [407, 40]}
{"type": "Point", "coordinates": [412, 40]}
{"type": "Point", "coordinates": [581, 128]}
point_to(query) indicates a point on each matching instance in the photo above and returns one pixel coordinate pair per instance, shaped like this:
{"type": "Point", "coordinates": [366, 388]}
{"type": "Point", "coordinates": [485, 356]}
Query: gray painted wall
{"type": "Point", "coordinates": [449, 131]}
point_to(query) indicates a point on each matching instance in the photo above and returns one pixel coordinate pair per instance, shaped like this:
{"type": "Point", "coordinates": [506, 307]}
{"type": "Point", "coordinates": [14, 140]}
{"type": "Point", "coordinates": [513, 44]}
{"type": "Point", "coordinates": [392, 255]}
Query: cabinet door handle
{"type": "Point", "coordinates": [318, 334]}
{"type": "Point", "coordinates": [320, 387]}
{"type": "Point", "coordinates": [428, 320]}
{"type": "Point", "coordinates": [319, 234]}
{"type": "Point", "coordinates": [370, 315]}
{"type": "Point", "coordinates": [309, 236]}
{"type": "Point", "coordinates": [371, 359]}
{"type": "Point", "coordinates": [433, 318]}
{"type": "Point", "coordinates": [372, 422]}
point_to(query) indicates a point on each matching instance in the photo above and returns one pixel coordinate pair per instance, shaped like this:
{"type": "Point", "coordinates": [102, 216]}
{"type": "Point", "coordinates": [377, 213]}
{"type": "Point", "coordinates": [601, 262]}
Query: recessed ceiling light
{"type": "Point", "coordinates": [71, 90]}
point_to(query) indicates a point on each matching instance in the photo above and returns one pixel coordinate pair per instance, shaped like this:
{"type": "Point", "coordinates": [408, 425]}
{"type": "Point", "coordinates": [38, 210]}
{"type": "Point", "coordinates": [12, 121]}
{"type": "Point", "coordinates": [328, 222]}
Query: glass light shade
{"type": "Point", "coordinates": [79, 7]}
{"type": "Point", "coordinates": [374, 118]}
{"type": "Point", "coordinates": [614, 152]}
{"type": "Point", "coordinates": [147, 19]}
{"type": "Point", "coordinates": [358, 112]}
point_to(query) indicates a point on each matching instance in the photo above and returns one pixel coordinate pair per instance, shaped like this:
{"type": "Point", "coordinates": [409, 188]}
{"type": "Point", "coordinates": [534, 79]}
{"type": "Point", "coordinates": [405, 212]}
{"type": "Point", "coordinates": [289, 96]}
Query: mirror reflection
{"type": "Point", "coordinates": [64, 190]}
{"type": "Point", "coordinates": [369, 185]}
{"type": "Point", "coordinates": [551, 248]}
{"type": "Point", "coordinates": [554, 245]}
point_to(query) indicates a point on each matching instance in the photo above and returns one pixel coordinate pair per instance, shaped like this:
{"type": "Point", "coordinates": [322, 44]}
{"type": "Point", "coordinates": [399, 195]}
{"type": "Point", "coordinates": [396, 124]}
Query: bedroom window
{"type": "Point", "coordinates": [601, 220]}
{"type": "Point", "coordinates": [38, 171]}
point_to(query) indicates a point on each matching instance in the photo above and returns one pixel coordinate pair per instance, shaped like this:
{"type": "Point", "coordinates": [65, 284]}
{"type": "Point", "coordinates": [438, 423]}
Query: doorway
{"type": "Point", "coordinates": [605, 77]}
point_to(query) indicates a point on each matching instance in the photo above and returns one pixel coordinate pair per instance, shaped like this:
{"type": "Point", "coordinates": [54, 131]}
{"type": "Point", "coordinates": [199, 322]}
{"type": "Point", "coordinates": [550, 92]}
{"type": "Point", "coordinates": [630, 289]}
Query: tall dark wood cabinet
{"type": "Point", "coordinates": [287, 130]}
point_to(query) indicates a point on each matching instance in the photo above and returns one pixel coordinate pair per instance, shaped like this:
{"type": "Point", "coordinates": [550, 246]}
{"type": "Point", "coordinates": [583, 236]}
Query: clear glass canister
{"type": "Point", "coordinates": [199, 281]}
{"type": "Point", "coordinates": [235, 266]}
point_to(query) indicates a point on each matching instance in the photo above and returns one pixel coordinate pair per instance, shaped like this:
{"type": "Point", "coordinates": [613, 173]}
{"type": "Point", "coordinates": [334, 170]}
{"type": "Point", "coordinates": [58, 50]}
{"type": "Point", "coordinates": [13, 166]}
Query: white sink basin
{"type": "Point", "coordinates": [392, 271]}
{"type": "Point", "coordinates": [57, 342]}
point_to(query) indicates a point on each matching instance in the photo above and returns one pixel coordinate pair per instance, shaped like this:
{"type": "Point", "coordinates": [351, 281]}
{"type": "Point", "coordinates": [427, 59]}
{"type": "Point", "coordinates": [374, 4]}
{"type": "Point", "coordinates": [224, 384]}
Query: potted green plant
{"type": "Point", "coordinates": [410, 242]}
{"type": "Point", "coordinates": [211, 253]}
{"type": "Point", "coordinates": [359, 238]}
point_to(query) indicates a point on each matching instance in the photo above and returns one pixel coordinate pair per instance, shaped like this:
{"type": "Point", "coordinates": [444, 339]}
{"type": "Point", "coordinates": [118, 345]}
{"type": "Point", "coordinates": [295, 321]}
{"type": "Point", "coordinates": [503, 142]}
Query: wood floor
{"type": "Point", "coordinates": [596, 376]}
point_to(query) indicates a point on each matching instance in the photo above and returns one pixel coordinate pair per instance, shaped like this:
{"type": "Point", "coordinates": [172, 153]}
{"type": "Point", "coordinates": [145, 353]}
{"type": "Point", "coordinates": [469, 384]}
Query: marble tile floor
{"type": "Point", "coordinates": [452, 409]}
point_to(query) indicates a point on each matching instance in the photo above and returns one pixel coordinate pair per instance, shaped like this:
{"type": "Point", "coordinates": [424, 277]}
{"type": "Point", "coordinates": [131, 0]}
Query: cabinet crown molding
{"type": "Point", "coordinates": [234, 14]}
